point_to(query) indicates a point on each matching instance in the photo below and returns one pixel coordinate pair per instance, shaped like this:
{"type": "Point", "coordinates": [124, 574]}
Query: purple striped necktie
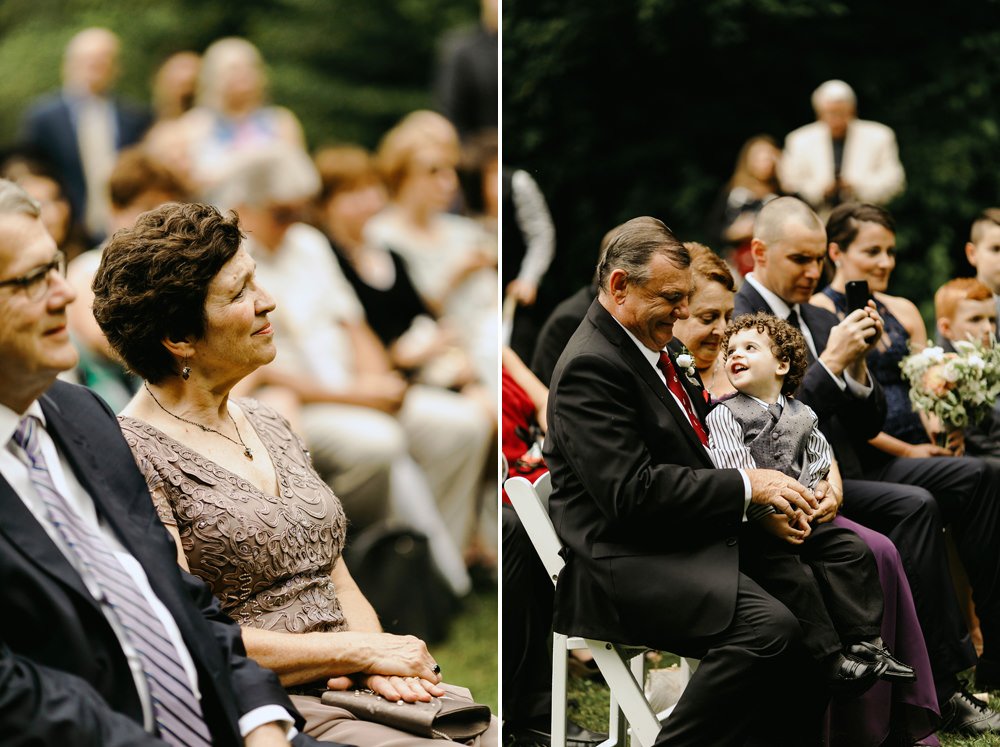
{"type": "Point", "coordinates": [177, 710]}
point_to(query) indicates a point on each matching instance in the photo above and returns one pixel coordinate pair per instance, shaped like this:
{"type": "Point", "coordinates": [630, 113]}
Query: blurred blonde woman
{"type": "Point", "coordinates": [232, 118]}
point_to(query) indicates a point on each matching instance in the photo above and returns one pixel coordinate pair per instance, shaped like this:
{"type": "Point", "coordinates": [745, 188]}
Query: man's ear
{"type": "Point", "coordinates": [970, 253]}
{"type": "Point", "coordinates": [758, 250]}
{"type": "Point", "coordinates": [618, 285]}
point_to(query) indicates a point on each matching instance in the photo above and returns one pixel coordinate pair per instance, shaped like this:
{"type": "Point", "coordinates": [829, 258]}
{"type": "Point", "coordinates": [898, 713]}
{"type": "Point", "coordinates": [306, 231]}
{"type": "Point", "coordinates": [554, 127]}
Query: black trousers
{"type": "Point", "coordinates": [527, 626]}
{"type": "Point", "coordinates": [830, 583]}
{"type": "Point", "coordinates": [911, 503]}
{"type": "Point", "coordinates": [754, 680]}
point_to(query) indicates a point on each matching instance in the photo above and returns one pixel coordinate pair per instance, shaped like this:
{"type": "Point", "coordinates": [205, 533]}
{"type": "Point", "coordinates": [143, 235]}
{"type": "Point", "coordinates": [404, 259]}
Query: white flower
{"type": "Point", "coordinates": [964, 347]}
{"type": "Point", "coordinates": [685, 360]}
{"type": "Point", "coordinates": [959, 388]}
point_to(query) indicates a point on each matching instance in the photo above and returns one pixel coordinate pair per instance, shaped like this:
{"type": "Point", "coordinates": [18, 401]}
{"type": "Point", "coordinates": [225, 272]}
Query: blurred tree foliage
{"type": "Point", "coordinates": [638, 107]}
{"type": "Point", "coordinates": [348, 68]}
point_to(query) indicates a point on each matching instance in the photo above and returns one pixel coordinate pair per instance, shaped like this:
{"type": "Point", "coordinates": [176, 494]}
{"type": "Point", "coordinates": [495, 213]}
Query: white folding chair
{"type": "Point", "coordinates": [629, 707]}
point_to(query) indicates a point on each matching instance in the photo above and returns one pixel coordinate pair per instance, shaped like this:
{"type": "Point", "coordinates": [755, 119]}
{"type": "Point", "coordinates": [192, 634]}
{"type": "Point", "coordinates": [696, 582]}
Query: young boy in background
{"type": "Point", "coordinates": [966, 310]}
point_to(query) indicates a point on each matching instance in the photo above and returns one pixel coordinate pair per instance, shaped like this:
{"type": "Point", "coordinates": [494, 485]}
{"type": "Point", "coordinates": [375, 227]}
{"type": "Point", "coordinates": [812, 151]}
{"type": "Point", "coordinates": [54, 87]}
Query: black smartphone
{"type": "Point", "coordinates": [857, 295]}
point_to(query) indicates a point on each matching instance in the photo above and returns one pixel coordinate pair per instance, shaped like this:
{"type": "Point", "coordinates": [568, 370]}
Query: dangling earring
{"type": "Point", "coordinates": [186, 371]}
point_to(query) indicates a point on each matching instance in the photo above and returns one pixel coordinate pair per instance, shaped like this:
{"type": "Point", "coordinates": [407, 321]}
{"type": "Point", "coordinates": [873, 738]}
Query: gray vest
{"type": "Point", "coordinates": [774, 445]}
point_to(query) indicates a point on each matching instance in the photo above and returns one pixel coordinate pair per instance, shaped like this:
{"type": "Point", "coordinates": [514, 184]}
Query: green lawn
{"type": "Point", "coordinates": [589, 708]}
{"type": "Point", "coordinates": [469, 656]}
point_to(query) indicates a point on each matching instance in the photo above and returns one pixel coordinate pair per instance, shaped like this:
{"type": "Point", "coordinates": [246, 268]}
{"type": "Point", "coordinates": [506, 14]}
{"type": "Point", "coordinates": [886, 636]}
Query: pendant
{"type": "Point", "coordinates": [247, 453]}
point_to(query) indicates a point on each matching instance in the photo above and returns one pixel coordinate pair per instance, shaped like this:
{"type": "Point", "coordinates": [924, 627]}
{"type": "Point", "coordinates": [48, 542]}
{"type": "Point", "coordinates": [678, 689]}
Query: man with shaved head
{"type": "Point", "coordinates": [908, 500]}
{"type": "Point", "coordinates": [839, 157]}
{"type": "Point", "coordinates": [79, 130]}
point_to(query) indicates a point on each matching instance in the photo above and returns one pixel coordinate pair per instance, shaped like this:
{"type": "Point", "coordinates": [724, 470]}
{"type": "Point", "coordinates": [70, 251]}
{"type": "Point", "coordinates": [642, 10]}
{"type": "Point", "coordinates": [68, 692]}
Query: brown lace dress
{"type": "Point", "coordinates": [267, 558]}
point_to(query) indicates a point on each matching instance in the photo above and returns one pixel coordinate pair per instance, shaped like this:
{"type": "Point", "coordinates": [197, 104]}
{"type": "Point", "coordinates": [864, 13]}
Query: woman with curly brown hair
{"type": "Point", "coordinates": [825, 574]}
{"type": "Point", "coordinates": [178, 299]}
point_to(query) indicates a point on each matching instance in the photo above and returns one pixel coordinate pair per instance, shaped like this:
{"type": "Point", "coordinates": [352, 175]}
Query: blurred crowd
{"type": "Point", "coordinates": [383, 264]}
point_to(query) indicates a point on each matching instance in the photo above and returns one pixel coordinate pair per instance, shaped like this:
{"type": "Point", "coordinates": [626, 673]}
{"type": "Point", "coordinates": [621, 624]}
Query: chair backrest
{"type": "Point", "coordinates": [531, 504]}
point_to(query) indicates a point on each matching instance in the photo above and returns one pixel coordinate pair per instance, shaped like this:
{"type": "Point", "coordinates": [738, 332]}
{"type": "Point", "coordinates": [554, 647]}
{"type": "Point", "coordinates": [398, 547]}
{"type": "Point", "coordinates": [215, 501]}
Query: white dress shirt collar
{"type": "Point", "coordinates": [777, 304]}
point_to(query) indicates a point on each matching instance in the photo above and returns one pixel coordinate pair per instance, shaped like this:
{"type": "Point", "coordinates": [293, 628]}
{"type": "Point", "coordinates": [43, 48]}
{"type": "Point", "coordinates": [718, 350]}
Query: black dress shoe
{"type": "Point", "coordinates": [895, 670]}
{"type": "Point", "coordinates": [850, 676]}
{"type": "Point", "coordinates": [526, 736]}
{"type": "Point", "coordinates": [964, 714]}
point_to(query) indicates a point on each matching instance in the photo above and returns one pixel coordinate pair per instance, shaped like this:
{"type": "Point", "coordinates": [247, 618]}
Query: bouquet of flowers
{"type": "Point", "coordinates": [959, 388]}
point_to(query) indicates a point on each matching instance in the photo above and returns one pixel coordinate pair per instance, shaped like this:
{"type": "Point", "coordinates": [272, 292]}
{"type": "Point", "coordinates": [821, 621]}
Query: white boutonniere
{"type": "Point", "coordinates": [685, 361]}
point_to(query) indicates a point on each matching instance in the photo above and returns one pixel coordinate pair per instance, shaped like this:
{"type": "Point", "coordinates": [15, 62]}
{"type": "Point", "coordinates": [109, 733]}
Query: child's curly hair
{"type": "Point", "coordinates": [787, 344]}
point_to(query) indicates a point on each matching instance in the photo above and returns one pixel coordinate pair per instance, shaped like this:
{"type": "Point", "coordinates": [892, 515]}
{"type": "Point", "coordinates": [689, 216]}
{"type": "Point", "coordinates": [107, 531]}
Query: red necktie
{"type": "Point", "coordinates": [674, 385]}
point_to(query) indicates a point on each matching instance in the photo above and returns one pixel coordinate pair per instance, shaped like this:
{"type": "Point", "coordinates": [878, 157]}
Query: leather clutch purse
{"type": "Point", "coordinates": [446, 717]}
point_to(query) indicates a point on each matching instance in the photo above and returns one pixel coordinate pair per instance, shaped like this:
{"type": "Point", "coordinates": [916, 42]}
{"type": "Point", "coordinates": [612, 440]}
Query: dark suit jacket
{"type": "Point", "coordinates": [48, 131]}
{"type": "Point", "coordinates": [649, 526]}
{"type": "Point", "coordinates": [63, 677]}
{"type": "Point", "coordinates": [557, 330]}
{"type": "Point", "coordinates": [845, 420]}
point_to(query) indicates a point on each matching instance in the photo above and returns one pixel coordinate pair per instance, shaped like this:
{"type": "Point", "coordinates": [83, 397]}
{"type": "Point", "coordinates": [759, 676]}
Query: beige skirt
{"type": "Point", "coordinates": [332, 724]}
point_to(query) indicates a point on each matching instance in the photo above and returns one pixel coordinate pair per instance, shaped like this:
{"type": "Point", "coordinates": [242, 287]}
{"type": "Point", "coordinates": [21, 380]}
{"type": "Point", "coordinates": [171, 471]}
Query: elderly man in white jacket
{"type": "Point", "coordinates": [839, 158]}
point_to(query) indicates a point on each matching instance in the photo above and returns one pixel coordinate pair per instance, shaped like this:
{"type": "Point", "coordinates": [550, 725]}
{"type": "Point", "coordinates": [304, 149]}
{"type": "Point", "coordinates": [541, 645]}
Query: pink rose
{"type": "Point", "coordinates": [935, 382]}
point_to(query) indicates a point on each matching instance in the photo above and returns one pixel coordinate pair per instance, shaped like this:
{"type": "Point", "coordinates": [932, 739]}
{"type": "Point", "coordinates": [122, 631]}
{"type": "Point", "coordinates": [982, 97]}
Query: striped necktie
{"type": "Point", "coordinates": [177, 710]}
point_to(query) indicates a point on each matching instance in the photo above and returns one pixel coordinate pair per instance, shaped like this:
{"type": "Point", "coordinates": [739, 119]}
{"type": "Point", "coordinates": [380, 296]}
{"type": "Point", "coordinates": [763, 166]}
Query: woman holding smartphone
{"type": "Point", "coordinates": [862, 246]}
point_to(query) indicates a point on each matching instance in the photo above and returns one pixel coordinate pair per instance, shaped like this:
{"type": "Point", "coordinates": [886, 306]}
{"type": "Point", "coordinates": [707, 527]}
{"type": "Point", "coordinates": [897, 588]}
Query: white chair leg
{"type": "Point", "coordinates": [628, 693]}
{"type": "Point", "coordinates": [559, 691]}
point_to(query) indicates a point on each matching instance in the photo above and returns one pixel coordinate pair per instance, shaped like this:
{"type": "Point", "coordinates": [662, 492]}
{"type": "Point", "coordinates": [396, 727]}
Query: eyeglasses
{"type": "Point", "coordinates": [36, 283]}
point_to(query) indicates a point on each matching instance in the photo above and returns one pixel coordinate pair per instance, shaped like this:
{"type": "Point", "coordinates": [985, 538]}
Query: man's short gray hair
{"type": "Point", "coordinates": [833, 90]}
{"type": "Point", "coordinates": [13, 199]}
{"type": "Point", "coordinates": [631, 246]}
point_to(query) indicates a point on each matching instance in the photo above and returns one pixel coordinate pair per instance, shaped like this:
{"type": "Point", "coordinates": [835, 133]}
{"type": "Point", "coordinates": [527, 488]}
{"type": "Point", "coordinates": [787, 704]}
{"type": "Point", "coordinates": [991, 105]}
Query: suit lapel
{"type": "Point", "coordinates": [122, 512]}
{"type": "Point", "coordinates": [610, 328]}
{"type": "Point", "coordinates": [79, 452]}
{"type": "Point", "coordinates": [21, 527]}
{"type": "Point", "coordinates": [695, 391]}
{"type": "Point", "coordinates": [748, 300]}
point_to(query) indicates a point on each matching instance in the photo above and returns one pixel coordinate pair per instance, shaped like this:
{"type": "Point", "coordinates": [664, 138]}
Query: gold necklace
{"type": "Point", "coordinates": [246, 449]}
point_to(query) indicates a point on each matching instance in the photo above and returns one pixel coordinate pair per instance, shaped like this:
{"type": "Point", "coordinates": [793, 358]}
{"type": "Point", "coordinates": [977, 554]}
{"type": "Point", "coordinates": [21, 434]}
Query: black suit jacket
{"type": "Point", "coordinates": [63, 677]}
{"type": "Point", "coordinates": [557, 330]}
{"type": "Point", "coordinates": [846, 421]}
{"type": "Point", "coordinates": [649, 526]}
{"type": "Point", "coordinates": [48, 131]}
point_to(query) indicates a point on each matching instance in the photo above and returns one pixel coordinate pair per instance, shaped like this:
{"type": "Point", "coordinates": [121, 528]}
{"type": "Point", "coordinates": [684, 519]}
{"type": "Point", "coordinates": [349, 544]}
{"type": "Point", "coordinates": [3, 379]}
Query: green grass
{"type": "Point", "coordinates": [469, 655]}
{"type": "Point", "coordinates": [589, 708]}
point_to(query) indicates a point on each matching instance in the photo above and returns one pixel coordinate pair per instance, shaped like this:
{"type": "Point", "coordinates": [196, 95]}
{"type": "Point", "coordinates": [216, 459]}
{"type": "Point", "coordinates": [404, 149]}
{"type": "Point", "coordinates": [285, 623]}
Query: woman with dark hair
{"type": "Point", "coordinates": [177, 298]}
{"type": "Point", "coordinates": [862, 246]}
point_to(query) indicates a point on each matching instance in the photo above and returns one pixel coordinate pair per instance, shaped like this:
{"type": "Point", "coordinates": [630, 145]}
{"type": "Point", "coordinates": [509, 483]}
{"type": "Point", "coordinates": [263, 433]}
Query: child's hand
{"type": "Point", "coordinates": [794, 531]}
{"type": "Point", "coordinates": [829, 502]}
